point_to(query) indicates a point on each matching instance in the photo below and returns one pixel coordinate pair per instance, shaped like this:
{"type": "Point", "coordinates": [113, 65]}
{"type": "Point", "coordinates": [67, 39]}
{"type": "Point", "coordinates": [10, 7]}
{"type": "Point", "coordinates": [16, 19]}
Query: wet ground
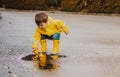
{"type": "Point", "coordinates": [92, 48]}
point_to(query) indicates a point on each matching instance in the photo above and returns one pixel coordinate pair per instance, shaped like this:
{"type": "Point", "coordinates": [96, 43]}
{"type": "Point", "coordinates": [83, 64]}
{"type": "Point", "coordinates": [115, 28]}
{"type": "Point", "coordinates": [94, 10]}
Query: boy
{"type": "Point", "coordinates": [47, 28]}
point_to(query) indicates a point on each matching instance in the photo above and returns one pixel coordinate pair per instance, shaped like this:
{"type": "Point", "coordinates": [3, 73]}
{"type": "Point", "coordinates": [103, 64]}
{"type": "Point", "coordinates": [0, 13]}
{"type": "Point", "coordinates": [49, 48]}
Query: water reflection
{"type": "Point", "coordinates": [44, 61]}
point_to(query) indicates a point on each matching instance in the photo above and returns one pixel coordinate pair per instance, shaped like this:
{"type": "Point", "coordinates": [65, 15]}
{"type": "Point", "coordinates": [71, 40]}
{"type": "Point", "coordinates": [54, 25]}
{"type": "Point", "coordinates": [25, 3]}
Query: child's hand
{"type": "Point", "coordinates": [66, 32]}
{"type": "Point", "coordinates": [34, 49]}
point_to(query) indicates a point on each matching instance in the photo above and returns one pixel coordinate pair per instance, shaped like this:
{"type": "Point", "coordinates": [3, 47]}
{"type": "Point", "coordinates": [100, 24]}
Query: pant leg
{"type": "Point", "coordinates": [56, 36]}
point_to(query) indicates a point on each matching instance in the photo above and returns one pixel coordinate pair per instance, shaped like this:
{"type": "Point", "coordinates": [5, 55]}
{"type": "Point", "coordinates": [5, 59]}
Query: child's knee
{"type": "Point", "coordinates": [56, 36]}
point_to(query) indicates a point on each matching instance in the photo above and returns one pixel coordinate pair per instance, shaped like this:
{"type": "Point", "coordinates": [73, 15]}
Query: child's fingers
{"type": "Point", "coordinates": [34, 49]}
{"type": "Point", "coordinates": [66, 32]}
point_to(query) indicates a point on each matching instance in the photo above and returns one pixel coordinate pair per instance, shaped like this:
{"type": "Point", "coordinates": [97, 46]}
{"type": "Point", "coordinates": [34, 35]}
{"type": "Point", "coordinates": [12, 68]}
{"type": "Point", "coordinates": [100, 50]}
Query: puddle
{"type": "Point", "coordinates": [47, 64]}
{"type": "Point", "coordinates": [28, 57]}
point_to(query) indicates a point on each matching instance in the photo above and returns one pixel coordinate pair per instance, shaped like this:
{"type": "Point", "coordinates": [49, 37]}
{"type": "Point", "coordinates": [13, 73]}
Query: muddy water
{"type": "Point", "coordinates": [92, 47]}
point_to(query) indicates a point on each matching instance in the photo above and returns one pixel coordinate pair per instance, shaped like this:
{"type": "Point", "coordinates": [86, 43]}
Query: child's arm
{"type": "Point", "coordinates": [62, 27]}
{"type": "Point", "coordinates": [65, 29]}
{"type": "Point", "coordinates": [36, 40]}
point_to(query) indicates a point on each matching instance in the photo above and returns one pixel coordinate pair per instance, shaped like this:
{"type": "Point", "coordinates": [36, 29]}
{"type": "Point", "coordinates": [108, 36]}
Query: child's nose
{"type": "Point", "coordinates": [41, 24]}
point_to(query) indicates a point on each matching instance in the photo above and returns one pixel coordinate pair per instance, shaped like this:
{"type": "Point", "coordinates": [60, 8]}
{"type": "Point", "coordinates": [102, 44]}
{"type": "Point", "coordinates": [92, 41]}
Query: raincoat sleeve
{"type": "Point", "coordinates": [61, 26]}
{"type": "Point", "coordinates": [36, 39]}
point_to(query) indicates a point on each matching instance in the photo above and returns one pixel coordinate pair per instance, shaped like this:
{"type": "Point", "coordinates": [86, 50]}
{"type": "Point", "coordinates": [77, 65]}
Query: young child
{"type": "Point", "coordinates": [47, 28]}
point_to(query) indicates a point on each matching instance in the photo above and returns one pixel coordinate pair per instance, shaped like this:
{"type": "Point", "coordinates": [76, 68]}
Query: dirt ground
{"type": "Point", "coordinates": [92, 48]}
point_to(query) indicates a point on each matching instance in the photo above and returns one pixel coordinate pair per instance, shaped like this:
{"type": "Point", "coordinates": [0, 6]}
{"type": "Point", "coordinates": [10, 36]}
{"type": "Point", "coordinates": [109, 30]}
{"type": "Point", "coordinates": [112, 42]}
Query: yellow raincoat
{"type": "Point", "coordinates": [54, 26]}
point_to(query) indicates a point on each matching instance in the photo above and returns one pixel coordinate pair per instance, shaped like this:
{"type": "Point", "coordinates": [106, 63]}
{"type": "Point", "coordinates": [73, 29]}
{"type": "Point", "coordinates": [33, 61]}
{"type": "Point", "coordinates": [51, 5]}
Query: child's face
{"type": "Point", "coordinates": [42, 25]}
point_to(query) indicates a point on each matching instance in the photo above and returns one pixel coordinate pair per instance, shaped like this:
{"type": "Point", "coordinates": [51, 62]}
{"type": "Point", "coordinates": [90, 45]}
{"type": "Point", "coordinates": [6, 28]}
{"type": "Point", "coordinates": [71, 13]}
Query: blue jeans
{"type": "Point", "coordinates": [55, 36]}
